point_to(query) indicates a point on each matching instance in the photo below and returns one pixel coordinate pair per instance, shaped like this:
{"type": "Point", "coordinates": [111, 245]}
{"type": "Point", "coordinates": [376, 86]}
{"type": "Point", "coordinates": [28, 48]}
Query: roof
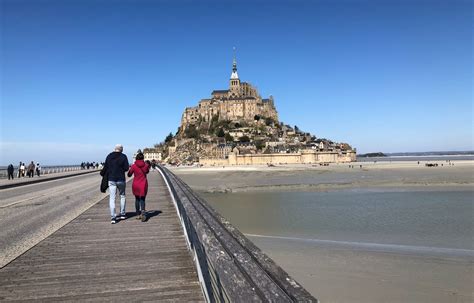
{"type": "Point", "coordinates": [221, 91]}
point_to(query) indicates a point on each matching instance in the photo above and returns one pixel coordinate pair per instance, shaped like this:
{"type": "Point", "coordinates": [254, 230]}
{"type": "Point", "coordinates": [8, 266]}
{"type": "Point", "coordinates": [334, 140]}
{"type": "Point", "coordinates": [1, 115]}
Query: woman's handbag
{"type": "Point", "coordinates": [104, 184]}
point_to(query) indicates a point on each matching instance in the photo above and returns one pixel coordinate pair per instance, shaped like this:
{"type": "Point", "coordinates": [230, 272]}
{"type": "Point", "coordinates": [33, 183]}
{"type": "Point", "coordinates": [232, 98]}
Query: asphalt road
{"type": "Point", "coordinates": [30, 213]}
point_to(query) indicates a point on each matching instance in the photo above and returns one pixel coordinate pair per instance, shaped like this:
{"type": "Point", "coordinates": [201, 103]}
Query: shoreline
{"type": "Point", "coordinates": [331, 167]}
{"type": "Point", "coordinates": [392, 187]}
{"type": "Point", "coordinates": [343, 176]}
{"type": "Point", "coordinates": [408, 250]}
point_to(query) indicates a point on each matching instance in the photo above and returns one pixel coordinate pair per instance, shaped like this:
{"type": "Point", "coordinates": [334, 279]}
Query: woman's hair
{"type": "Point", "coordinates": [139, 156]}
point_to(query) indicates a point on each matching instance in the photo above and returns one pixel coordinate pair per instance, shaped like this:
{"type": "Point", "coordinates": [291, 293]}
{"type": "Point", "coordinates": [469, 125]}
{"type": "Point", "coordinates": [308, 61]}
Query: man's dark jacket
{"type": "Point", "coordinates": [116, 164]}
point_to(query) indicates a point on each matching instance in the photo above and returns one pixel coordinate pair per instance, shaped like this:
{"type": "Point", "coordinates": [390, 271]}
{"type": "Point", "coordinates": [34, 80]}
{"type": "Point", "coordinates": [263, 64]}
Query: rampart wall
{"type": "Point", "coordinates": [293, 158]}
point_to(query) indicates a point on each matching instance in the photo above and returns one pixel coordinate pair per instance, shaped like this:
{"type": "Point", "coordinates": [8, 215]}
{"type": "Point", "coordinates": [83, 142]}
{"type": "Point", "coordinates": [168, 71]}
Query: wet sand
{"type": "Point", "coordinates": [352, 274]}
{"type": "Point", "coordinates": [322, 178]}
{"type": "Point", "coordinates": [356, 272]}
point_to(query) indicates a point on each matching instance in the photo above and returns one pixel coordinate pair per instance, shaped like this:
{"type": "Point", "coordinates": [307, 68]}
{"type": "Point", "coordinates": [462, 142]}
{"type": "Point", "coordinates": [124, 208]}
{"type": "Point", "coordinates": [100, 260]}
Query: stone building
{"type": "Point", "coordinates": [222, 151]}
{"type": "Point", "coordinates": [152, 154]}
{"type": "Point", "coordinates": [241, 102]}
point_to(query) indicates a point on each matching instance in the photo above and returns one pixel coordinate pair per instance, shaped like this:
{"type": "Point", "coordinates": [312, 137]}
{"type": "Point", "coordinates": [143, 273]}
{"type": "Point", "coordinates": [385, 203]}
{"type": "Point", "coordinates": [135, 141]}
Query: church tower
{"type": "Point", "coordinates": [234, 79]}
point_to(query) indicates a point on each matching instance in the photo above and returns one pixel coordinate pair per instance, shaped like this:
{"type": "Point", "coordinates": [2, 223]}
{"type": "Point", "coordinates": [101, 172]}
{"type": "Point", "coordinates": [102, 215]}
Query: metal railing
{"type": "Point", "coordinates": [230, 267]}
{"type": "Point", "coordinates": [45, 170]}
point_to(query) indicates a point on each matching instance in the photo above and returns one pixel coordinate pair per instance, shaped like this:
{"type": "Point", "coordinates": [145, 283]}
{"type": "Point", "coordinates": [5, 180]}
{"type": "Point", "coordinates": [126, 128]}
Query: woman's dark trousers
{"type": "Point", "coordinates": [139, 204]}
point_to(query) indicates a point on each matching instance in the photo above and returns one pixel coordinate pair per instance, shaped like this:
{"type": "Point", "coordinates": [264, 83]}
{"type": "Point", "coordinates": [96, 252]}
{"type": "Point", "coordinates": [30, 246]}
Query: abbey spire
{"type": "Point", "coordinates": [234, 77]}
{"type": "Point", "coordinates": [234, 74]}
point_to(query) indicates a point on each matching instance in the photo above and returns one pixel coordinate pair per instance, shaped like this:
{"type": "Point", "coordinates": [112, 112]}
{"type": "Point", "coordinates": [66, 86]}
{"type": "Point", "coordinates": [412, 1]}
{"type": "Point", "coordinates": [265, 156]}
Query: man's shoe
{"type": "Point", "coordinates": [143, 217]}
{"type": "Point", "coordinates": [113, 221]}
{"type": "Point", "coordinates": [123, 217]}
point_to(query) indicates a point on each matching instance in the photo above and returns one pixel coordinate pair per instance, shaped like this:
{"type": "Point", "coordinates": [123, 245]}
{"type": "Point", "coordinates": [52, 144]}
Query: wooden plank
{"type": "Point", "coordinates": [90, 259]}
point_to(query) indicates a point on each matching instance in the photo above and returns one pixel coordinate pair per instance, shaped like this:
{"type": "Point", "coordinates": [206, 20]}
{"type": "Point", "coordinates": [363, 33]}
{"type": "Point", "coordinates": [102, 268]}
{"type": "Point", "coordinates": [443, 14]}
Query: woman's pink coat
{"type": "Point", "coordinates": [140, 184]}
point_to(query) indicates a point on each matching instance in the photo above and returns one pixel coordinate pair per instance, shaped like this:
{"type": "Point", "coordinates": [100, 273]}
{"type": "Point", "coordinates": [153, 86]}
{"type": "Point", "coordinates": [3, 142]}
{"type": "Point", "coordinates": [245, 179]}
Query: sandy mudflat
{"type": "Point", "coordinates": [356, 272]}
{"type": "Point", "coordinates": [345, 274]}
{"type": "Point", "coordinates": [333, 177]}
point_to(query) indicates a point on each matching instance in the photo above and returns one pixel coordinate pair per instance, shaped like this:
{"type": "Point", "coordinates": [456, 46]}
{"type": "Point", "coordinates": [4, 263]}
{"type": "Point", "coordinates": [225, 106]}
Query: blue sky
{"type": "Point", "coordinates": [77, 77]}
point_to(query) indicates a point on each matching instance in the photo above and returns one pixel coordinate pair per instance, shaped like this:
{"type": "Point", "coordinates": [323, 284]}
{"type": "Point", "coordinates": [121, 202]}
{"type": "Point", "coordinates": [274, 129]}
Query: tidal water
{"type": "Point", "coordinates": [403, 220]}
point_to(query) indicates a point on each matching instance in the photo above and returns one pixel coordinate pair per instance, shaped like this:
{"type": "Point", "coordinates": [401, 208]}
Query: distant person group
{"type": "Point", "coordinates": [32, 169]}
{"type": "Point", "coordinates": [89, 165]}
{"type": "Point", "coordinates": [113, 173]}
{"type": "Point", "coordinates": [24, 170]}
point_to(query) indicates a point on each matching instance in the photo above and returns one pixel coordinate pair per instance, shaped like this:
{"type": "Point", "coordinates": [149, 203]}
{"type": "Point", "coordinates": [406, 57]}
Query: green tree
{"type": "Point", "coordinates": [220, 133]}
{"type": "Point", "coordinates": [269, 121]}
{"type": "Point", "coordinates": [228, 137]}
{"type": "Point", "coordinates": [259, 144]}
{"type": "Point", "coordinates": [169, 138]}
{"type": "Point", "coordinates": [191, 132]}
{"type": "Point", "coordinates": [244, 138]}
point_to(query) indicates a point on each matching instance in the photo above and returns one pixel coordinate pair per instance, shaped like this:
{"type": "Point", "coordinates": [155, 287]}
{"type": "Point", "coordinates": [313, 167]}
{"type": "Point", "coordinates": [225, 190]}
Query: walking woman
{"type": "Point", "coordinates": [140, 185]}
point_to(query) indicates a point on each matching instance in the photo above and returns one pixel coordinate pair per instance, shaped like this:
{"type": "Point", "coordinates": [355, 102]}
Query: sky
{"type": "Point", "coordinates": [78, 77]}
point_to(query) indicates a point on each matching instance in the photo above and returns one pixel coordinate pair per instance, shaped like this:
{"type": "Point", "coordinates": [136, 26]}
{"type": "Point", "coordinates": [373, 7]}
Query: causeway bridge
{"type": "Point", "coordinates": [185, 252]}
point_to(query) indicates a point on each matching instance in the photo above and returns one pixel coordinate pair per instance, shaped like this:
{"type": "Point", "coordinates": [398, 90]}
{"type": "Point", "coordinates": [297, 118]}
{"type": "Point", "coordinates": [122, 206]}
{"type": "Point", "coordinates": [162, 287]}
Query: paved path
{"type": "Point", "coordinates": [5, 183]}
{"type": "Point", "coordinates": [30, 213]}
{"type": "Point", "coordinates": [91, 259]}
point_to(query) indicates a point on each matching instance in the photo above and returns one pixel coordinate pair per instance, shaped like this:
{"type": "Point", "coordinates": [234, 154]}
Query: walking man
{"type": "Point", "coordinates": [31, 170]}
{"type": "Point", "coordinates": [10, 171]}
{"type": "Point", "coordinates": [116, 165]}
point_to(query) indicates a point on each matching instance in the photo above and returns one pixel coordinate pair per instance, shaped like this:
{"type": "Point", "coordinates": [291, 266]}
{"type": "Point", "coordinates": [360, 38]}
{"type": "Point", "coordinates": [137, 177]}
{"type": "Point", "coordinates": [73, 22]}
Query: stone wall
{"type": "Point", "coordinates": [305, 157]}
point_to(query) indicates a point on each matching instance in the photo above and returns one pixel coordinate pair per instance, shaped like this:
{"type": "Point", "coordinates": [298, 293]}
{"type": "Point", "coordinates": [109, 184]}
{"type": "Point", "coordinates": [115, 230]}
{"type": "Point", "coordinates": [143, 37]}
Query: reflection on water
{"type": "Point", "coordinates": [413, 218]}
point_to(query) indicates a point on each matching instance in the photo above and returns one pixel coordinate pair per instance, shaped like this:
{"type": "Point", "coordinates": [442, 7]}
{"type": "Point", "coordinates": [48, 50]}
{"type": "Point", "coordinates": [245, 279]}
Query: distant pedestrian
{"type": "Point", "coordinates": [38, 169]}
{"type": "Point", "coordinates": [140, 185]}
{"type": "Point", "coordinates": [21, 170]}
{"type": "Point", "coordinates": [10, 171]}
{"type": "Point", "coordinates": [31, 170]}
{"type": "Point", "coordinates": [116, 165]}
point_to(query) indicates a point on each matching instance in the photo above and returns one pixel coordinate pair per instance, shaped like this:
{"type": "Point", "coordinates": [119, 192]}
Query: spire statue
{"type": "Point", "coordinates": [234, 74]}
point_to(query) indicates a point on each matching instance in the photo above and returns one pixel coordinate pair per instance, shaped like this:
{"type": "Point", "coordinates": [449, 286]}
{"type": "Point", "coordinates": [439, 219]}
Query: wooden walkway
{"type": "Point", "coordinates": [90, 259]}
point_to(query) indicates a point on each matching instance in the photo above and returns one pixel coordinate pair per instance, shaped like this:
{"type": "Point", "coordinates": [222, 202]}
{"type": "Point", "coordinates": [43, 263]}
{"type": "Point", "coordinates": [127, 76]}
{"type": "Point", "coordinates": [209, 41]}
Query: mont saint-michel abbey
{"type": "Point", "coordinates": [237, 126]}
{"type": "Point", "coordinates": [240, 102]}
